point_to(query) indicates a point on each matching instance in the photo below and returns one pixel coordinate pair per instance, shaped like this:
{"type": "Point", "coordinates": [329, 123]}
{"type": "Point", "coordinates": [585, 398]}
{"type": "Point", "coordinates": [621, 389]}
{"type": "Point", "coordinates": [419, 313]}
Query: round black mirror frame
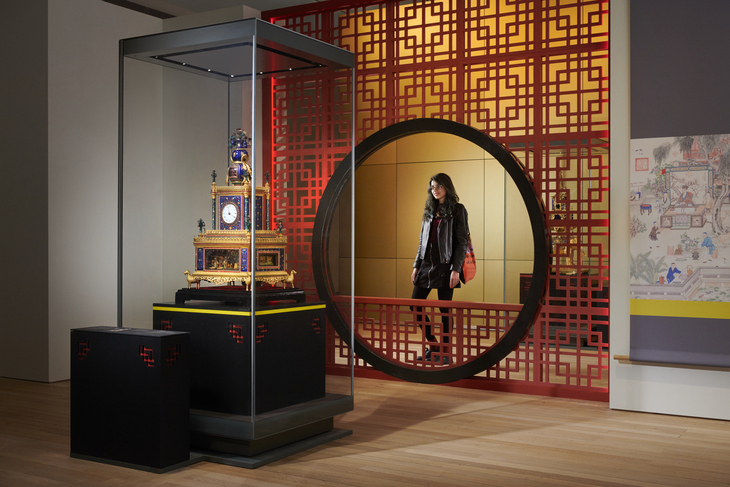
{"type": "Point", "coordinates": [535, 209]}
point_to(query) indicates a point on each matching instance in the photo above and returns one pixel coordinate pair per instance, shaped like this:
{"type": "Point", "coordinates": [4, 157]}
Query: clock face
{"type": "Point", "coordinates": [229, 214]}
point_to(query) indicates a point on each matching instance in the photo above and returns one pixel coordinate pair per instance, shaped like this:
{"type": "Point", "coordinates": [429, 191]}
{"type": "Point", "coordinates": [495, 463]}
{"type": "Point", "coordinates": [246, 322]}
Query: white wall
{"type": "Point", "coordinates": [167, 184]}
{"type": "Point", "coordinates": [167, 164]}
{"type": "Point", "coordinates": [668, 390]}
{"type": "Point", "coordinates": [83, 48]}
{"type": "Point", "coordinates": [195, 142]}
{"type": "Point", "coordinates": [143, 175]}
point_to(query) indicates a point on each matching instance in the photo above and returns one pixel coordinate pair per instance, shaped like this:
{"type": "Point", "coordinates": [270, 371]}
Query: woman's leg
{"type": "Point", "coordinates": [445, 294]}
{"type": "Point", "coordinates": [422, 293]}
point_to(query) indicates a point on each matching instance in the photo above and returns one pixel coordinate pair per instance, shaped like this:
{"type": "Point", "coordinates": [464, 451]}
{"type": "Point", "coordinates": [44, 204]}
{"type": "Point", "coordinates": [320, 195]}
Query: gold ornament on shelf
{"type": "Point", "coordinates": [192, 280]}
{"type": "Point", "coordinates": [290, 278]}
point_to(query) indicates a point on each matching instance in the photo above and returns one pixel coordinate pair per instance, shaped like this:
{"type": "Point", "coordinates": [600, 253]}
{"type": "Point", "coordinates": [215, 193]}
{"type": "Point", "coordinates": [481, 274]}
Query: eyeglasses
{"type": "Point", "coordinates": [436, 187]}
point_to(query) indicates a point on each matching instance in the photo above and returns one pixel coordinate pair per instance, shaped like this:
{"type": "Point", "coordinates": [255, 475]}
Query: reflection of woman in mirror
{"type": "Point", "coordinates": [441, 252]}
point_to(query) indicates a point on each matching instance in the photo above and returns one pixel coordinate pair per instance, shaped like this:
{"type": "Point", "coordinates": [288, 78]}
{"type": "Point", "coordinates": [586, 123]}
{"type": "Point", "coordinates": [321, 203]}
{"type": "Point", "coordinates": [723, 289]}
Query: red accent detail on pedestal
{"type": "Point", "coordinates": [236, 332]}
{"type": "Point", "coordinates": [261, 331]}
{"type": "Point", "coordinates": [83, 350]}
{"type": "Point", "coordinates": [316, 326]}
{"type": "Point", "coordinates": [173, 353]}
{"type": "Point", "coordinates": [146, 353]}
{"type": "Point", "coordinates": [166, 325]}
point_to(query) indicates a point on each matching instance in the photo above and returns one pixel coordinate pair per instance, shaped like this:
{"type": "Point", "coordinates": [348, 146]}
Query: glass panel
{"type": "Point", "coordinates": [312, 140]}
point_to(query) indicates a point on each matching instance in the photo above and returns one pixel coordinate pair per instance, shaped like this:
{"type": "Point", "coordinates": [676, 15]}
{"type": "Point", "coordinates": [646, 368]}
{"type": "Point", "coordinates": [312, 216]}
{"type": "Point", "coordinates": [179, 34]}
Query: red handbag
{"type": "Point", "coordinates": [469, 268]}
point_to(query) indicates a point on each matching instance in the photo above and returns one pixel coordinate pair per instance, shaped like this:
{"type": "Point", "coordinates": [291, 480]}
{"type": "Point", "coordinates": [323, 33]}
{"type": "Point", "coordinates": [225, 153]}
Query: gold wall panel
{"type": "Point", "coordinates": [403, 284]}
{"type": "Point", "coordinates": [468, 177]}
{"type": "Point", "coordinates": [412, 181]}
{"type": "Point", "coordinates": [517, 226]}
{"type": "Point", "coordinates": [436, 147]}
{"type": "Point", "coordinates": [345, 272]}
{"type": "Point", "coordinates": [375, 277]}
{"type": "Point", "coordinates": [375, 211]}
{"type": "Point", "coordinates": [512, 280]}
{"type": "Point", "coordinates": [384, 155]}
{"type": "Point", "coordinates": [492, 212]}
{"type": "Point", "coordinates": [491, 273]}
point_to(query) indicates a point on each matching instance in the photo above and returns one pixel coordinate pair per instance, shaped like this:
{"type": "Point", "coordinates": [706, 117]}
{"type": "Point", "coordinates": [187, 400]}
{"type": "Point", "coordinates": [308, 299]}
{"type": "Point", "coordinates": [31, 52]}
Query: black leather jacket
{"type": "Point", "coordinates": [452, 234]}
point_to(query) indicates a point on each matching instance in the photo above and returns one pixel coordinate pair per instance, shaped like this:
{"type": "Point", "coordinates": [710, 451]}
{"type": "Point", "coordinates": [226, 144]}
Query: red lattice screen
{"type": "Point", "coordinates": [531, 74]}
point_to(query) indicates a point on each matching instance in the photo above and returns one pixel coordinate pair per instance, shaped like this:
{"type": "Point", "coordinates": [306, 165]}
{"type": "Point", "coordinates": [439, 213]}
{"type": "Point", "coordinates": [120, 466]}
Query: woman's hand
{"type": "Point", "coordinates": [413, 275]}
{"type": "Point", "coordinates": [454, 279]}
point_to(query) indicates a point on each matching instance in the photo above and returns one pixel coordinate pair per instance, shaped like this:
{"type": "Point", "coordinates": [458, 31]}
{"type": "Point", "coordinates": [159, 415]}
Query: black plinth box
{"type": "Point", "coordinates": [289, 354]}
{"type": "Point", "coordinates": [130, 397]}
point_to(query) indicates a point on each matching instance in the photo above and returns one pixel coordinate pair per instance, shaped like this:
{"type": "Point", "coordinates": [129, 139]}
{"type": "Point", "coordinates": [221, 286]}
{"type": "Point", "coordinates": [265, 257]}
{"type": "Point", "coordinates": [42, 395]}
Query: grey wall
{"type": "Point", "coordinates": [82, 118]}
{"type": "Point", "coordinates": [58, 124]}
{"type": "Point", "coordinates": [679, 68]}
{"type": "Point", "coordinates": [24, 189]}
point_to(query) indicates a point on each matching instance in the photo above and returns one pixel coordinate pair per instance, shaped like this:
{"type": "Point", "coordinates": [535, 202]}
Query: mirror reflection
{"type": "Point", "coordinates": [391, 188]}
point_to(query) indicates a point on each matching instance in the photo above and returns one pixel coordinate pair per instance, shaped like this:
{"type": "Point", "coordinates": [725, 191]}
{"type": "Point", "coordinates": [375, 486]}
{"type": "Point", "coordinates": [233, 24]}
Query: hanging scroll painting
{"type": "Point", "coordinates": [680, 216]}
{"type": "Point", "coordinates": [680, 250]}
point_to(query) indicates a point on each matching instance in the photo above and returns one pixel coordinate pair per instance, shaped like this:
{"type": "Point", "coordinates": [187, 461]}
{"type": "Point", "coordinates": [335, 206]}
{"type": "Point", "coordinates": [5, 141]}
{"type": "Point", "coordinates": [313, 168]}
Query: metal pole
{"type": "Point", "coordinates": [120, 186]}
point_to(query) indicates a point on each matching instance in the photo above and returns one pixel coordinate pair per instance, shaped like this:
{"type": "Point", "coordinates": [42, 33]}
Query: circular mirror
{"type": "Point", "coordinates": [475, 167]}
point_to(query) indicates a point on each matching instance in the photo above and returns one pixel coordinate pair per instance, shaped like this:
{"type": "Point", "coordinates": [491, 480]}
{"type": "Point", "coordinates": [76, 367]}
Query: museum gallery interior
{"type": "Point", "coordinates": [212, 211]}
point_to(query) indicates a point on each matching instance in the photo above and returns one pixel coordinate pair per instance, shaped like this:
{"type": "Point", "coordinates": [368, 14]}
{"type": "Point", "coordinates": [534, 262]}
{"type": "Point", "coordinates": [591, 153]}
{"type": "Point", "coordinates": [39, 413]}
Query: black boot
{"type": "Point", "coordinates": [443, 357]}
{"type": "Point", "coordinates": [427, 355]}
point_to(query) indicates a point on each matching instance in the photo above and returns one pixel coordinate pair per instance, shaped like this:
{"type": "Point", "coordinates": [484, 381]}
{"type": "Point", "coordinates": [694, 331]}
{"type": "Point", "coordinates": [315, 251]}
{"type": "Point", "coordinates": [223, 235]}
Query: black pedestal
{"type": "Point", "coordinates": [292, 408]}
{"type": "Point", "coordinates": [130, 397]}
{"type": "Point", "coordinates": [289, 354]}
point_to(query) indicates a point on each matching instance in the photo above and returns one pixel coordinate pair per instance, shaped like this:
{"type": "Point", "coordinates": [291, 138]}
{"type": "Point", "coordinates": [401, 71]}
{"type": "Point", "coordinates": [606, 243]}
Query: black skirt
{"type": "Point", "coordinates": [432, 274]}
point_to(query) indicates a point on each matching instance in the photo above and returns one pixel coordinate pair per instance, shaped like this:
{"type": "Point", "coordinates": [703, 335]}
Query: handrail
{"type": "Point", "coordinates": [429, 303]}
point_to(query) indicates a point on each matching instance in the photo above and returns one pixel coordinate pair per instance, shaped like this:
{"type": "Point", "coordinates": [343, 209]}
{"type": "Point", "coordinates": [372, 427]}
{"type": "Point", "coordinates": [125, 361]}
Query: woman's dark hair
{"type": "Point", "coordinates": [449, 202]}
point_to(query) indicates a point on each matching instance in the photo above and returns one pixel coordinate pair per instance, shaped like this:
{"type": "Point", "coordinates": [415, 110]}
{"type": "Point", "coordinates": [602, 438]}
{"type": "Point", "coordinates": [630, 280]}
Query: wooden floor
{"type": "Point", "coordinates": [406, 434]}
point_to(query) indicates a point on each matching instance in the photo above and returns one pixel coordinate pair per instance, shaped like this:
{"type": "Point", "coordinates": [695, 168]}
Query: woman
{"type": "Point", "coordinates": [441, 252]}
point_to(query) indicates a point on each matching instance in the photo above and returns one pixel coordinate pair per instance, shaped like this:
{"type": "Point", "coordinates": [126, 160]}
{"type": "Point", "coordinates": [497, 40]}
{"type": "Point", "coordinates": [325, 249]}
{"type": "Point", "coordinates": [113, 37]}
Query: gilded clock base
{"type": "Point", "coordinates": [267, 277]}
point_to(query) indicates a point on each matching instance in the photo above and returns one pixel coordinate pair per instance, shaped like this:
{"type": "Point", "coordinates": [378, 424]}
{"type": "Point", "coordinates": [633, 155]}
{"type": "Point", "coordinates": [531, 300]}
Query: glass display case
{"type": "Point", "coordinates": [205, 233]}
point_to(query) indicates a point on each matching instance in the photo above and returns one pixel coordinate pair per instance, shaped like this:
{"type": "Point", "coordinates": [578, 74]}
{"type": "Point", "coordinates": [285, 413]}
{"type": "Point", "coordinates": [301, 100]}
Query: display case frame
{"type": "Point", "coordinates": [241, 54]}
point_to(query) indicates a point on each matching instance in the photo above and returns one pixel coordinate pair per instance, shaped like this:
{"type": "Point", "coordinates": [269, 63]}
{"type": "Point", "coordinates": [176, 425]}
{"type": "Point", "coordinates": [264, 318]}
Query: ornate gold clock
{"type": "Point", "coordinates": [224, 254]}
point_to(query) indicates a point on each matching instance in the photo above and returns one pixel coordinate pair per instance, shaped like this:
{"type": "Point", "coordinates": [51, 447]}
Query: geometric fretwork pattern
{"type": "Point", "coordinates": [562, 352]}
{"type": "Point", "coordinates": [532, 74]}
{"type": "Point", "coordinates": [389, 326]}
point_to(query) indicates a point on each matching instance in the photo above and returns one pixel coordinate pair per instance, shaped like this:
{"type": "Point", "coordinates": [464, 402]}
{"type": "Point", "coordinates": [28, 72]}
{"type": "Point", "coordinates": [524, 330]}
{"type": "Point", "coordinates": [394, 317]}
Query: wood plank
{"type": "Point", "coordinates": [406, 434]}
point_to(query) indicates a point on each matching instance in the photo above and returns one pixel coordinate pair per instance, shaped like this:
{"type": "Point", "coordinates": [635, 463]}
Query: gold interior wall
{"type": "Point", "coordinates": [390, 192]}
